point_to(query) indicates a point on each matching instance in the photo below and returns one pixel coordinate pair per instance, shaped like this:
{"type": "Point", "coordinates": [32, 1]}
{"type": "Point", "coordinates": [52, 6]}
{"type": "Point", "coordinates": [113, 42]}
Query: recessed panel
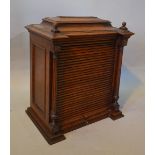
{"type": "Point", "coordinates": [39, 77]}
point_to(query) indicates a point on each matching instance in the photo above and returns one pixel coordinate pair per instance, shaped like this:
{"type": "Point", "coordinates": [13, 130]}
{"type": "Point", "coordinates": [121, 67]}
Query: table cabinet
{"type": "Point", "coordinates": [75, 73]}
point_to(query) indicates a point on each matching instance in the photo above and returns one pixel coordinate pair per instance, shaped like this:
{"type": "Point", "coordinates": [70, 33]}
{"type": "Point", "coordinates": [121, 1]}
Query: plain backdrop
{"type": "Point", "coordinates": [125, 136]}
{"type": "Point", "coordinates": [24, 12]}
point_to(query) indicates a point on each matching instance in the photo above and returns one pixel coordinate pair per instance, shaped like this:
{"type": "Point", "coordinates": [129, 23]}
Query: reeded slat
{"type": "Point", "coordinates": [84, 78]}
{"type": "Point", "coordinates": [81, 111]}
{"type": "Point", "coordinates": [92, 85]}
{"type": "Point", "coordinates": [81, 99]}
{"type": "Point", "coordinates": [75, 41]}
{"type": "Point", "coordinates": [82, 67]}
{"type": "Point", "coordinates": [81, 94]}
{"type": "Point", "coordinates": [63, 107]}
{"type": "Point", "coordinates": [69, 91]}
{"type": "Point", "coordinates": [86, 49]}
{"type": "Point", "coordinates": [73, 112]}
{"type": "Point", "coordinates": [76, 111]}
{"type": "Point", "coordinates": [84, 52]}
{"type": "Point", "coordinates": [63, 89]}
{"type": "Point", "coordinates": [85, 74]}
{"type": "Point", "coordinates": [83, 61]}
{"type": "Point", "coordinates": [90, 39]}
{"type": "Point", "coordinates": [68, 122]}
{"type": "Point", "coordinates": [103, 42]}
{"type": "Point", "coordinates": [84, 71]}
{"type": "Point", "coordinates": [95, 38]}
{"type": "Point", "coordinates": [97, 44]}
{"type": "Point", "coordinates": [66, 91]}
{"type": "Point", "coordinates": [98, 84]}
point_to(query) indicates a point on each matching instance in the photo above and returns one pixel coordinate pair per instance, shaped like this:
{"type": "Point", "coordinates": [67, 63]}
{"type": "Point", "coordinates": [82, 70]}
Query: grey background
{"type": "Point", "coordinates": [125, 136]}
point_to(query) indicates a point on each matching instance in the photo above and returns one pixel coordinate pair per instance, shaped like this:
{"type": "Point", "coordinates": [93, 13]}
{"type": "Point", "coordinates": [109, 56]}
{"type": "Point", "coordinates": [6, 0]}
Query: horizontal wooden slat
{"type": "Point", "coordinates": [82, 94]}
{"type": "Point", "coordinates": [85, 70]}
{"type": "Point", "coordinates": [81, 110]}
{"type": "Point", "coordinates": [89, 98]}
{"type": "Point", "coordinates": [101, 41]}
{"type": "Point", "coordinates": [85, 61]}
{"type": "Point", "coordinates": [84, 78]}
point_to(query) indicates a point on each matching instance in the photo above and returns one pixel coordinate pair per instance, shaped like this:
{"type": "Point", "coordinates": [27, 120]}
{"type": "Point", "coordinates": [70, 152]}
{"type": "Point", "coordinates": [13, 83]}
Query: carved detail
{"type": "Point", "coordinates": [57, 48]}
{"type": "Point", "coordinates": [54, 55]}
{"type": "Point", "coordinates": [115, 104]}
{"type": "Point", "coordinates": [119, 41]}
{"type": "Point", "coordinates": [125, 40]}
{"type": "Point", "coordinates": [114, 112]}
{"type": "Point", "coordinates": [55, 30]}
{"type": "Point", "coordinates": [122, 41]}
{"type": "Point", "coordinates": [54, 125]}
{"type": "Point", "coordinates": [123, 27]}
{"type": "Point", "coordinates": [55, 52]}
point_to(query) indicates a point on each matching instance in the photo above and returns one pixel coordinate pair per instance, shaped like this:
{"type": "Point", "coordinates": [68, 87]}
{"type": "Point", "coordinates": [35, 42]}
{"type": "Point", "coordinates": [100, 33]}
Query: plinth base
{"type": "Point", "coordinates": [114, 115]}
{"type": "Point", "coordinates": [49, 137]}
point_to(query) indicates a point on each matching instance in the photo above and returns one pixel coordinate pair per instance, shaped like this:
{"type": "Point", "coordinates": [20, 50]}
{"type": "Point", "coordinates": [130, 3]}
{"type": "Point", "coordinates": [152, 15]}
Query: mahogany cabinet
{"type": "Point", "coordinates": [75, 73]}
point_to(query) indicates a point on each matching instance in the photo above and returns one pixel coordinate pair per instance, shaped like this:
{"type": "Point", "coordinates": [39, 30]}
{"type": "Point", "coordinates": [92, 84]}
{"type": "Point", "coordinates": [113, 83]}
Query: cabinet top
{"type": "Point", "coordinates": [75, 20]}
{"type": "Point", "coordinates": [67, 26]}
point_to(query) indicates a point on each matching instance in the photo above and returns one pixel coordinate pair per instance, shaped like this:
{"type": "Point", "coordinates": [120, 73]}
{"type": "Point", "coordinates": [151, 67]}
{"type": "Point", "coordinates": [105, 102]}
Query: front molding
{"type": "Point", "coordinates": [115, 112]}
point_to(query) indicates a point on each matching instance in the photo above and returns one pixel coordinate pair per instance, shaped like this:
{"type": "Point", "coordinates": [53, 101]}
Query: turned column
{"type": "Point", "coordinates": [121, 41]}
{"type": "Point", "coordinates": [54, 117]}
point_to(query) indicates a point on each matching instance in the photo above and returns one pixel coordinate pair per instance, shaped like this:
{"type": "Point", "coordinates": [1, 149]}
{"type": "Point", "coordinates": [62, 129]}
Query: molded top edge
{"type": "Point", "coordinates": [75, 20]}
{"type": "Point", "coordinates": [67, 26]}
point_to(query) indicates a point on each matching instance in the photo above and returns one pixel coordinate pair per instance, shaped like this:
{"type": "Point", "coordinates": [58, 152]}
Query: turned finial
{"type": "Point", "coordinates": [123, 27]}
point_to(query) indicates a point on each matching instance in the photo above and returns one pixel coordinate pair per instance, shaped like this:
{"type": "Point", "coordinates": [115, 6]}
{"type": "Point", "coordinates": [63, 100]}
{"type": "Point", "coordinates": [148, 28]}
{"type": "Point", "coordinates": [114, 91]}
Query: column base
{"type": "Point", "coordinates": [51, 139]}
{"type": "Point", "coordinates": [114, 115]}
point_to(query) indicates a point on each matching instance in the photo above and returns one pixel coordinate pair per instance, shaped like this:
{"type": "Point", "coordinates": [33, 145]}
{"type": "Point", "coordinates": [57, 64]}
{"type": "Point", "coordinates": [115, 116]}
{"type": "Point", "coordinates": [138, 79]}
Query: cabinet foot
{"type": "Point", "coordinates": [114, 115]}
{"type": "Point", "coordinates": [51, 139]}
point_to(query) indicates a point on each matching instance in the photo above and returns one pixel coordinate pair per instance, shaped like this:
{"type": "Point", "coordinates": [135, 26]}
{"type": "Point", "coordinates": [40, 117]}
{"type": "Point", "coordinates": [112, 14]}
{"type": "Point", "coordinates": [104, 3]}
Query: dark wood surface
{"type": "Point", "coordinates": [75, 73]}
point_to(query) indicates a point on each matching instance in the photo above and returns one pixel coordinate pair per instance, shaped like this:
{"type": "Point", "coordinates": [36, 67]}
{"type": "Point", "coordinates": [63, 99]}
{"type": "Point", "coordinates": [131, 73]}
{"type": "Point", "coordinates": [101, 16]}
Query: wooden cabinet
{"type": "Point", "coordinates": [75, 73]}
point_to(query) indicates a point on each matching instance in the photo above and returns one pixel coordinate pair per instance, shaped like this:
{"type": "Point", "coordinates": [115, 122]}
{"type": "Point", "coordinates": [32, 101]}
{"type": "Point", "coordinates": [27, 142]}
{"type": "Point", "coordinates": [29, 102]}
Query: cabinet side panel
{"type": "Point", "coordinates": [40, 67]}
{"type": "Point", "coordinates": [39, 64]}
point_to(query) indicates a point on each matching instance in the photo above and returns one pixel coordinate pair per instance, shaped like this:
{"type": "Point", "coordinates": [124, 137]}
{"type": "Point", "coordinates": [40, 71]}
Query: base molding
{"type": "Point", "coordinates": [52, 139]}
{"type": "Point", "coordinates": [48, 136]}
{"type": "Point", "coordinates": [114, 115]}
